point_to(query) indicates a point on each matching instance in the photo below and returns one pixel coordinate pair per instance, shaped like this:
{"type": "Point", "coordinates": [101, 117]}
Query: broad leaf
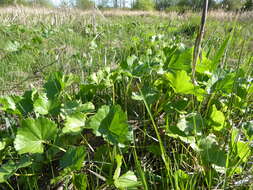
{"type": "Point", "coordinates": [180, 59]}
{"type": "Point", "coordinates": [176, 105]}
{"type": "Point", "coordinates": [56, 82]}
{"type": "Point", "coordinates": [17, 104]}
{"type": "Point", "coordinates": [74, 123]}
{"type": "Point", "coordinates": [96, 120]}
{"type": "Point", "coordinates": [250, 90]}
{"type": "Point", "coordinates": [2, 145]}
{"type": "Point", "coordinates": [127, 181]}
{"type": "Point", "coordinates": [73, 107]}
{"type": "Point", "coordinates": [175, 132]}
{"type": "Point", "coordinates": [188, 127]}
{"type": "Point", "coordinates": [243, 150]}
{"type": "Point", "coordinates": [7, 103]}
{"type": "Point", "coordinates": [44, 106]}
{"type": "Point", "coordinates": [204, 65]}
{"type": "Point", "coordinates": [25, 104]}
{"type": "Point", "coordinates": [217, 118]}
{"type": "Point", "coordinates": [235, 136]}
{"type": "Point", "coordinates": [129, 62]}
{"type": "Point", "coordinates": [73, 158]}
{"type": "Point", "coordinates": [210, 151]}
{"type": "Point", "coordinates": [53, 85]}
{"type": "Point", "coordinates": [101, 77]}
{"type": "Point", "coordinates": [150, 95]}
{"type": "Point", "coordinates": [111, 123]}
{"type": "Point", "coordinates": [224, 82]}
{"type": "Point", "coordinates": [213, 79]}
{"type": "Point", "coordinates": [191, 124]}
{"type": "Point", "coordinates": [181, 83]}
{"type": "Point", "coordinates": [33, 133]}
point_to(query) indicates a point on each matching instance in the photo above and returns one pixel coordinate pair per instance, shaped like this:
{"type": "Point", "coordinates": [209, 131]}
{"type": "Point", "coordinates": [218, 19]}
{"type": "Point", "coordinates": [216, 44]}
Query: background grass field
{"type": "Point", "coordinates": [36, 41]}
{"type": "Point", "coordinates": [105, 100]}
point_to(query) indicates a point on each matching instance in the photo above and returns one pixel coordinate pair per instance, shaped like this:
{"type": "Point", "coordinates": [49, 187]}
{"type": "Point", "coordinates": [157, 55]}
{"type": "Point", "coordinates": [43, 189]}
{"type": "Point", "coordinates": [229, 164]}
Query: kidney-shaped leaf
{"type": "Point", "coordinates": [73, 107]}
{"type": "Point", "coordinates": [181, 83]}
{"type": "Point", "coordinates": [33, 133]}
{"type": "Point", "coordinates": [127, 181]}
{"type": "Point", "coordinates": [74, 123]}
{"type": "Point", "coordinates": [44, 106]}
{"type": "Point", "coordinates": [111, 123]}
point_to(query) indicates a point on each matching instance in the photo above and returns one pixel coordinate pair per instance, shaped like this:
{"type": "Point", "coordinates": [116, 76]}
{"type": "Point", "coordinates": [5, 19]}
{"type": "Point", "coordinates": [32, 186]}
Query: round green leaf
{"type": "Point", "coordinates": [33, 133]}
{"type": "Point", "coordinates": [74, 123]}
{"type": "Point", "coordinates": [111, 123]}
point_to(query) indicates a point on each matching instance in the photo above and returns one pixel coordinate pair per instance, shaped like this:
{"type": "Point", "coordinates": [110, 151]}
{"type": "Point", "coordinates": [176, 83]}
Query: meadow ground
{"type": "Point", "coordinates": [35, 41]}
{"type": "Point", "coordinates": [105, 100]}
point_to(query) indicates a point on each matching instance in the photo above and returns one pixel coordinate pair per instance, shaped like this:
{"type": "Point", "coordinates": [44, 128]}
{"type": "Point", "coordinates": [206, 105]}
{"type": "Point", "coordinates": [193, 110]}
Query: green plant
{"type": "Point", "coordinates": [145, 5]}
{"type": "Point", "coordinates": [126, 116]}
{"type": "Point", "coordinates": [84, 4]}
{"type": "Point", "coordinates": [248, 5]}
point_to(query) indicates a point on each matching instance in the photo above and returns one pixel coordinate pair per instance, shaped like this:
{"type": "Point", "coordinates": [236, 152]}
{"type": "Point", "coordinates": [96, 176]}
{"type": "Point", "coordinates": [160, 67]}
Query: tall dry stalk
{"type": "Point", "coordinates": [197, 45]}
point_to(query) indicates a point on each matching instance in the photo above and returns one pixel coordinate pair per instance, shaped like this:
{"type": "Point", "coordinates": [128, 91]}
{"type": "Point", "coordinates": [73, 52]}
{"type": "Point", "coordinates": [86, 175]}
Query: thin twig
{"type": "Point", "coordinates": [198, 40]}
{"type": "Point", "coordinates": [97, 175]}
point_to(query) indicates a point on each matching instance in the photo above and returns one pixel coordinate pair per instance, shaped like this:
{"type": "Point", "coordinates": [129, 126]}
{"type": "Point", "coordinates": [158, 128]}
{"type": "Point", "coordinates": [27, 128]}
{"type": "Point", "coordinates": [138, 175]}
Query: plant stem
{"type": "Point", "coordinates": [53, 145]}
{"type": "Point", "coordinates": [198, 40]}
{"type": "Point", "coordinates": [165, 157]}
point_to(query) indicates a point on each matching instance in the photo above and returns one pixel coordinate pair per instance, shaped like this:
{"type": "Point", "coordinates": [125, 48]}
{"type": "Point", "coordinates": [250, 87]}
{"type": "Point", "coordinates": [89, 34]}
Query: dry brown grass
{"type": "Point", "coordinates": [224, 15]}
{"type": "Point", "coordinates": [58, 16]}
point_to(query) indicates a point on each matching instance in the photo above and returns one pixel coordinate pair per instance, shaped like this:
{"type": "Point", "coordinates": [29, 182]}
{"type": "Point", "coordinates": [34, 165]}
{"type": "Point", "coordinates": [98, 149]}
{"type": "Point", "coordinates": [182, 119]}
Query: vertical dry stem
{"type": "Point", "coordinates": [197, 45]}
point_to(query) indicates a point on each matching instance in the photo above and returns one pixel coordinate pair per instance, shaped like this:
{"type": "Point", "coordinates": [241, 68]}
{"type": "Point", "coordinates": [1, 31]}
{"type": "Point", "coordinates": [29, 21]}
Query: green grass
{"type": "Point", "coordinates": [108, 102]}
{"type": "Point", "coordinates": [74, 43]}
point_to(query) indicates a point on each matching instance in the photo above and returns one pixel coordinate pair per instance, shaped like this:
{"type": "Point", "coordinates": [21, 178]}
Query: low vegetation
{"type": "Point", "coordinates": [91, 100]}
